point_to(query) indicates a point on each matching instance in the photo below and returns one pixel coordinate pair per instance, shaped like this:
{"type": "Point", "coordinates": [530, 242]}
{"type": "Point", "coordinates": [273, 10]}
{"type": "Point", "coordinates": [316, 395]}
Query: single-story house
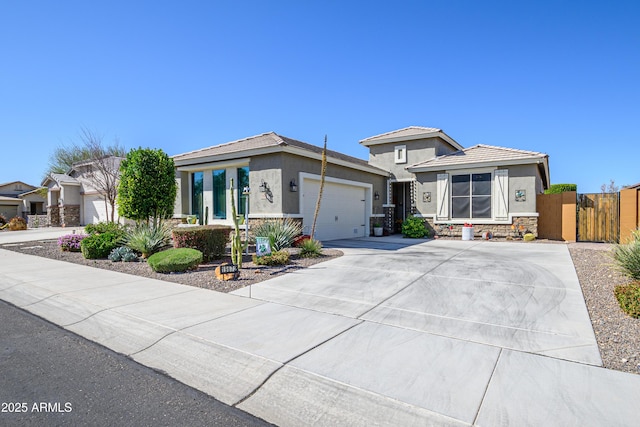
{"type": "Point", "coordinates": [283, 175]}
{"type": "Point", "coordinates": [20, 199]}
{"type": "Point", "coordinates": [412, 171]}
{"type": "Point", "coordinates": [73, 198]}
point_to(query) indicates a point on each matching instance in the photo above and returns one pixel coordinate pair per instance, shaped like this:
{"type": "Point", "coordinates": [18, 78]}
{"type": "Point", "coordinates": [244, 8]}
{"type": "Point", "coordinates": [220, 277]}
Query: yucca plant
{"type": "Point", "coordinates": [147, 238]}
{"type": "Point", "coordinates": [310, 248]}
{"type": "Point", "coordinates": [627, 256]}
{"type": "Point", "coordinates": [281, 232]}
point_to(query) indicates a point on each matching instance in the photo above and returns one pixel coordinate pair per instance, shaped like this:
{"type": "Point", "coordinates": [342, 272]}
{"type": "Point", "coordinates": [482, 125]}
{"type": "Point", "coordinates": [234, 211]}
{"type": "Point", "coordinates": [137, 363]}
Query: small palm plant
{"type": "Point", "coordinates": [148, 238]}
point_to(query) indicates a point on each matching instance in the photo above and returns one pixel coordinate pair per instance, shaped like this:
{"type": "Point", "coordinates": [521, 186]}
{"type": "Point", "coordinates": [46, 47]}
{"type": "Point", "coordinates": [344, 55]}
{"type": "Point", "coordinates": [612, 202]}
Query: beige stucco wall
{"type": "Point", "coordinates": [426, 183]}
{"type": "Point", "coordinates": [382, 155]}
{"type": "Point", "coordinates": [521, 177]}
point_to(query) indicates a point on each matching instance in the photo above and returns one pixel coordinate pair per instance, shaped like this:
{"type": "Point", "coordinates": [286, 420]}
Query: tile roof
{"type": "Point", "coordinates": [265, 140]}
{"type": "Point", "coordinates": [401, 133]}
{"type": "Point", "coordinates": [479, 154]}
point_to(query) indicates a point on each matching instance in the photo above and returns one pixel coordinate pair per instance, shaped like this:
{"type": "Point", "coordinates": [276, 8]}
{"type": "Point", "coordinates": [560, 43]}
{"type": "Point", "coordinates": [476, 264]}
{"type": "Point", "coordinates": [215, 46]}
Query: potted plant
{"type": "Point", "coordinates": [467, 231]}
{"type": "Point", "coordinates": [377, 229]}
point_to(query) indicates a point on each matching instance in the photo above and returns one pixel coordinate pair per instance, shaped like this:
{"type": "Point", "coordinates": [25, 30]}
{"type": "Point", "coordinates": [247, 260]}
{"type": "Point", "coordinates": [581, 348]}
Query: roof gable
{"type": "Point", "coordinates": [408, 134]}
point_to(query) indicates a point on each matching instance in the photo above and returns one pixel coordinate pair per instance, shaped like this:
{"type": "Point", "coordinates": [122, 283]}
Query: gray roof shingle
{"type": "Point", "coordinates": [265, 140]}
{"type": "Point", "coordinates": [479, 154]}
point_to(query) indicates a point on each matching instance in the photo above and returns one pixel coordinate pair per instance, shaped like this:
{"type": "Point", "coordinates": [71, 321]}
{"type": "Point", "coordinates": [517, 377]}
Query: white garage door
{"type": "Point", "coordinates": [342, 210]}
{"type": "Point", "coordinates": [94, 210]}
{"type": "Point", "coordinates": [9, 211]}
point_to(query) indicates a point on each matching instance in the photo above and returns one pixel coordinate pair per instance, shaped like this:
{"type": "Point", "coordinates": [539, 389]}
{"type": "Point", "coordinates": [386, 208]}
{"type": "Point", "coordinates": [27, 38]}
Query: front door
{"type": "Point", "coordinates": [401, 198]}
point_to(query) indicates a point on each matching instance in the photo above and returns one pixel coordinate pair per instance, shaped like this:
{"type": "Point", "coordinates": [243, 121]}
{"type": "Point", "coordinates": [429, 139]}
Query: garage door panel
{"type": "Point", "coordinates": [342, 210]}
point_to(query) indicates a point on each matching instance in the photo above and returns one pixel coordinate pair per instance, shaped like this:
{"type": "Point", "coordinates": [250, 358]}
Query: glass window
{"type": "Point", "coordinates": [243, 181]}
{"type": "Point", "coordinates": [471, 196]}
{"type": "Point", "coordinates": [220, 194]}
{"type": "Point", "coordinates": [196, 195]}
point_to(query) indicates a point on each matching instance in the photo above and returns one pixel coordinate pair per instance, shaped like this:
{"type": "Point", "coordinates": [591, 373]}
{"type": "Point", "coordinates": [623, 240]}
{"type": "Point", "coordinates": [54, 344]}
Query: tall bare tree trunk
{"type": "Point", "coordinates": [322, 174]}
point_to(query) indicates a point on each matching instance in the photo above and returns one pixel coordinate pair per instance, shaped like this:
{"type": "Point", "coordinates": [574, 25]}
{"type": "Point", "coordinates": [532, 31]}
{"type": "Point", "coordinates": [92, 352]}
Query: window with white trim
{"type": "Point", "coordinates": [400, 153]}
{"type": "Point", "coordinates": [471, 196]}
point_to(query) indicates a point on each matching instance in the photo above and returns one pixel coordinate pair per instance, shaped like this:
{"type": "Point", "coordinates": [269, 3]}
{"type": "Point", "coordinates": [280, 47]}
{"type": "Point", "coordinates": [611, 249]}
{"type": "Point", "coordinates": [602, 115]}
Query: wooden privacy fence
{"type": "Point", "coordinates": [557, 216]}
{"type": "Point", "coordinates": [599, 217]}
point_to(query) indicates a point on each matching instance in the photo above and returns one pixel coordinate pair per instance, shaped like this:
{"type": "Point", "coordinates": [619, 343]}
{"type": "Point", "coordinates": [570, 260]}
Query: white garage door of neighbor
{"type": "Point", "coordinates": [9, 211]}
{"type": "Point", "coordinates": [342, 210]}
{"type": "Point", "coordinates": [94, 210]}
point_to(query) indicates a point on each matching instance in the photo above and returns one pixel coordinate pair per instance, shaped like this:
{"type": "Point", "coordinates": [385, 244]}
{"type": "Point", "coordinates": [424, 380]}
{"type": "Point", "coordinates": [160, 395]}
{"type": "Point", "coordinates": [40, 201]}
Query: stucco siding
{"type": "Point", "coordinates": [267, 169]}
{"type": "Point", "coordinates": [523, 177]}
{"type": "Point", "coordinates": [293, 165]}
{"type": "Point", "coordinates": [426, 183]}
{"type": "Point", "coordinates": [383, 155]}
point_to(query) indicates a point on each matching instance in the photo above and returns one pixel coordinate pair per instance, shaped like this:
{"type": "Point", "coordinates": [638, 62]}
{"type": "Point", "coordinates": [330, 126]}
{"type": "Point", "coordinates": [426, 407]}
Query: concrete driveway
{"type": "Point", "coordinates": [437, 333]}
{"type": "Point", "coordinates": [524, 297]}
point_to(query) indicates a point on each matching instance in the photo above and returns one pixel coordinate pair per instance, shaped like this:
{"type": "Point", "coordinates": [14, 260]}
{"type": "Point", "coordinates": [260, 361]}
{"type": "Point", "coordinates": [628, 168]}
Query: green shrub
{"type": "Point", "coordinates": [627, 256]}
{"type": "Point", "coordinates": [211, 240]}
{"type": "Point", "coordinates": [628, 297]}
{"type": "Point", "coordinates": [17, 224]}
{"type": "Point", "coordinates": [123, 253]}
{"type": "Point", "coordinates": [560, 188]}
{"type": "Point", "coordinates": [147, 238]}
{"type": "Point", "coordinates": [276, 258]}
{"type": "Point", "coordinates": [99, 246]}
{"type": "Point", "coordinates": [414, 227]}
{"type": "Point", "coordinates": [175, 260]}
{"type": "Point", "coordinates": [281, 232]}
{"type": "Point", "coordinates": [105, 227]}
{"type": "Point", "coordinates": [310, 248]}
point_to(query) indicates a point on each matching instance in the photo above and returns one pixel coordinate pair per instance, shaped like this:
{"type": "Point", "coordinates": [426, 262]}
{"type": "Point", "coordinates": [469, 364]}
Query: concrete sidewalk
{"type": "Point", "coordinates": [366, 351]}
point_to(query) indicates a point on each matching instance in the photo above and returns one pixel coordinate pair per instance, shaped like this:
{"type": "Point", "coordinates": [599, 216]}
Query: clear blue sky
{"type": "Point", "coordinates": [549, 76]}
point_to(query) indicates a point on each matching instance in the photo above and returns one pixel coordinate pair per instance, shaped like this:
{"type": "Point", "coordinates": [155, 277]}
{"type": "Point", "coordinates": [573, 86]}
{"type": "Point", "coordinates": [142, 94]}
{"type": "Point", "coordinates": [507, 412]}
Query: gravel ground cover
{"type": "Point", "coordinates": [617, 334]}
{"type": "Point", "coordinates": [202, 277]}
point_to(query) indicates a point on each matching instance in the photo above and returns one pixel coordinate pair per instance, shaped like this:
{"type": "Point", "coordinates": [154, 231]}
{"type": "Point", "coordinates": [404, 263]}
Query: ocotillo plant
{"type": "Point", "coordinates": [236, 243]}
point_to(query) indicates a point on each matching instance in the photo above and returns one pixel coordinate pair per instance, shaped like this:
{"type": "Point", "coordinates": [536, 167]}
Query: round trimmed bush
{"type": "Point", "coordinates": [175, 260]}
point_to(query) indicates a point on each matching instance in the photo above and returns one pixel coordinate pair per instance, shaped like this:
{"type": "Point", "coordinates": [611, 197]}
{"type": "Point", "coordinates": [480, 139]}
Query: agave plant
{"type": "Point", "coordinates": [281, 233]}
{"type": "Point", "coordinates": [148, 238]}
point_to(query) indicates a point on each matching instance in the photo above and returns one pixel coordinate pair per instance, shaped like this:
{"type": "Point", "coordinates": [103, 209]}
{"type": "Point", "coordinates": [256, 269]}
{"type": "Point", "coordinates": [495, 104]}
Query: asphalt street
{"type": "Point", "coordinates": [52, 377]}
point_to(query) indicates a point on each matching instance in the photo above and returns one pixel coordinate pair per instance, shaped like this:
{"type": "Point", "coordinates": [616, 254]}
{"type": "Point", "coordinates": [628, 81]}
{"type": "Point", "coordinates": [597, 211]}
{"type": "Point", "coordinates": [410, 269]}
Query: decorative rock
{"type": "Point", "coordinates": [227, 271]}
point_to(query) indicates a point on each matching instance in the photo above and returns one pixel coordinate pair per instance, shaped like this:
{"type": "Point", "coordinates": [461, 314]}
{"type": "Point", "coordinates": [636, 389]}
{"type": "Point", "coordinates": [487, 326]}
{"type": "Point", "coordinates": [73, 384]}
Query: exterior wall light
{"type": "Point", "coordinates": [376, 196]}
{"type": "Point", "coordinates": [292, 186]}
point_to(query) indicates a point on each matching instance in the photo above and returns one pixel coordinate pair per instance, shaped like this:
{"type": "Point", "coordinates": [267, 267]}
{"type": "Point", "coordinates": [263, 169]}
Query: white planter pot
{"type": "Point", "coordinates": [377, 231]}
{"type": "Point", "coordinates": [467, 233]}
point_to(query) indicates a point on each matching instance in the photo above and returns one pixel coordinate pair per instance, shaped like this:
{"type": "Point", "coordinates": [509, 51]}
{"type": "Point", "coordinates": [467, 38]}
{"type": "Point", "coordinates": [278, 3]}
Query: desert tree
{"type": "Point", "coordinates": [101, 163]}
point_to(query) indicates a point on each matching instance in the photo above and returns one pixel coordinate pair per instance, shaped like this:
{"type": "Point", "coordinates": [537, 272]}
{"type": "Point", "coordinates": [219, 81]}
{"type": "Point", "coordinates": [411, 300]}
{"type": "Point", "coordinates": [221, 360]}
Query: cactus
{"type": "Point", "coordinates": [236, 243]}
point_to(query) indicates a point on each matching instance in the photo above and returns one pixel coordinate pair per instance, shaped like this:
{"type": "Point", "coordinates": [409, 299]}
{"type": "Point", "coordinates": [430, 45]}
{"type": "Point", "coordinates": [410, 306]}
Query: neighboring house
{"type": "Point", "coordinates": [73, 198]}
{"type": "Point", "coordinates": [20, 199]}
{"type": "Point", "coordinates": [412, 171]}
{"type": "Point", "coordinates": [284, 177]}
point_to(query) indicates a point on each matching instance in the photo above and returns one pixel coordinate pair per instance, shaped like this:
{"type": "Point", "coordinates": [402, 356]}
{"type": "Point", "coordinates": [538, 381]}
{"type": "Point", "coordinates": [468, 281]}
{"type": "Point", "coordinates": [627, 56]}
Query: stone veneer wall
{"type": "Point", "coordinates": [522, 225]}
{"type": "Point", "coordinates": [70, 215]}
{"type": "Point", "coordinates": [37, 221]}
{"type": "Point", "coordinates": [53, 216]}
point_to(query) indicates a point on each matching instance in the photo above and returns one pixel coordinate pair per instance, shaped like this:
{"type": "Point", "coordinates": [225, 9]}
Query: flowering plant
{"type": "Point", "coordinates": [71, 242]}
{"type": "Point", "coordinates": [468, 224]}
